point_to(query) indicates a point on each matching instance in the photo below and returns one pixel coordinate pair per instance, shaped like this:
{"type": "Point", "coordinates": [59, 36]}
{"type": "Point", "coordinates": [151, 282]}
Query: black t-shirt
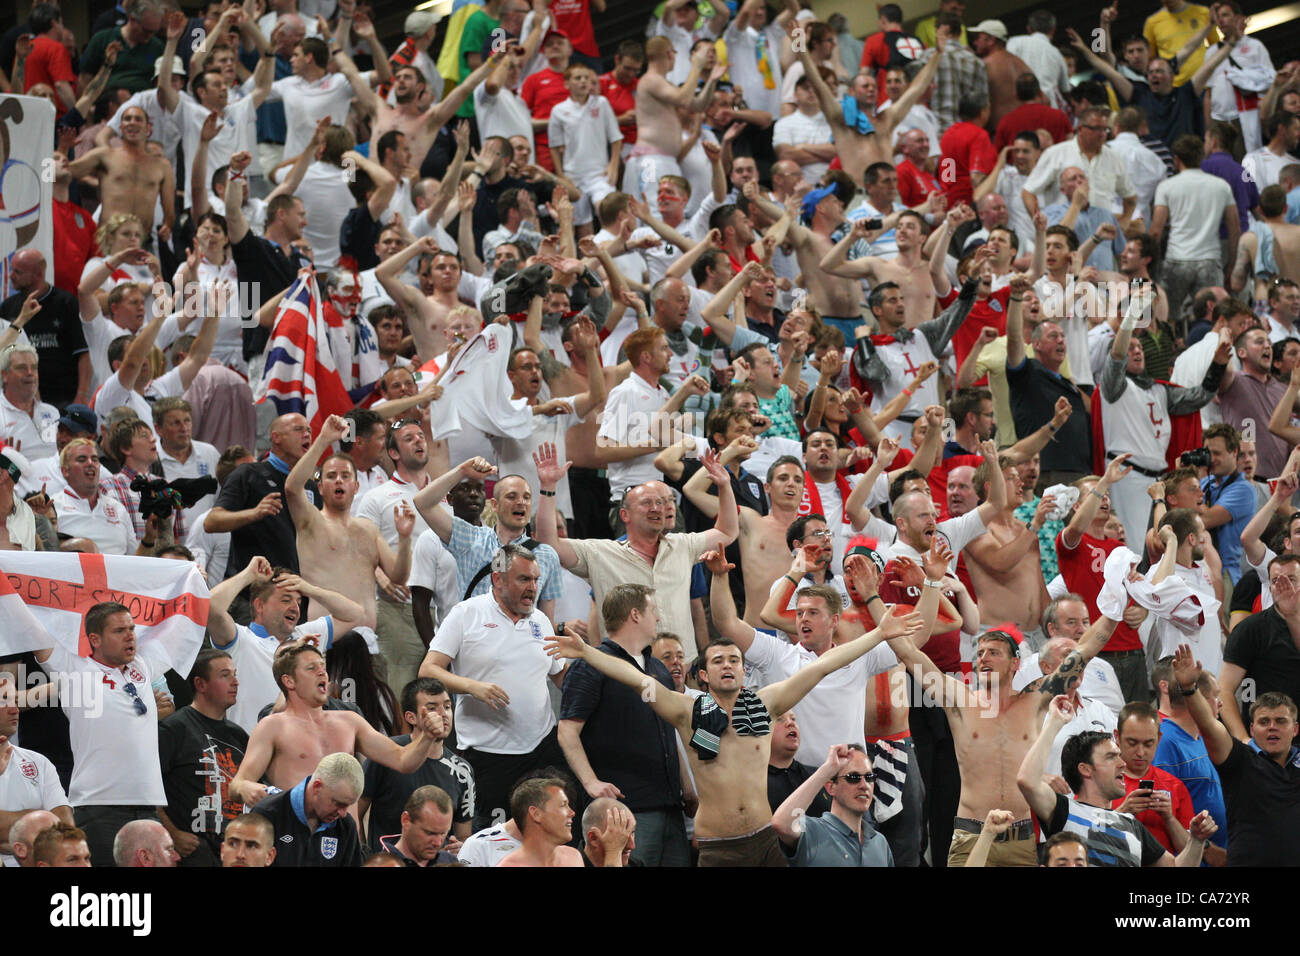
{"type": "Point", "coordinates": [357, 237]}
{"type": "Point", "coordinates": [55, 332]}
{"type": "Point", "coordinates": [387, 790]}
{"type": "Point", "coordinates": [273, 537]}
{"type": "Point", "coordinates": [485, 206]}
{"type": "Point", "coordinates": [1247, 590]}
{"type": "Point", "coordinates": [781, 783]}
{"type": "Point", "coordinates": [1261, 645]}
{"type": "Point", "coordinates": [271, 269]}
{"type": "Point", "coordinates": [1034, 391]}
{"type": "Point", "coordinates": [335, 844]}
{"type": "Point", "coordinates": [1263, 801]}
{"type": "Point", "coordinates": [199, 757]}
{"type": "Point", "coordinates": [1172, 115]}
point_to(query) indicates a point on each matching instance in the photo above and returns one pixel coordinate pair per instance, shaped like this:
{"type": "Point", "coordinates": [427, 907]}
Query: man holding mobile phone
{"type": "Point", "coordinates": [1156, 797]}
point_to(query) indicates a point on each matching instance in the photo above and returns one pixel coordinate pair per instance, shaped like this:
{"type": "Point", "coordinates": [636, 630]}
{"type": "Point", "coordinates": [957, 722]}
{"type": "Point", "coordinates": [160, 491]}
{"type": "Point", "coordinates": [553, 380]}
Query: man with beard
{"type": "Point", "coordinates": [1092, 767]}
{"type": "Point", "coordinates": [488, 653]}
{"type": "Point", "coordinates": [335, 548]}
{"type": "Point", "coordinates": [992, 726]}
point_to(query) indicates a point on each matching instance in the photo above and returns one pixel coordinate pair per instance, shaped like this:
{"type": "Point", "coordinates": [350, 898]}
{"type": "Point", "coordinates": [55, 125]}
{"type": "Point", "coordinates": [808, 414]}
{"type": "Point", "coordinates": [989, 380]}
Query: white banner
{"type": "Point", "coordinates": [44, 597]}
{"type": "Point", "coordinates": [26, 181]}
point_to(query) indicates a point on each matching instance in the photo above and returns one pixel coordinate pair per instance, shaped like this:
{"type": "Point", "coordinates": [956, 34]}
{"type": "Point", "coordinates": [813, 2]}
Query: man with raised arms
{"type": "Point", "coordinates": [335, 548]}
{"type": "Point", "coordinates": [285, 748]}
{"type": "Point", "coordinates": [730, 735]}
{"type": "Point", "coordinates": [993, 726]}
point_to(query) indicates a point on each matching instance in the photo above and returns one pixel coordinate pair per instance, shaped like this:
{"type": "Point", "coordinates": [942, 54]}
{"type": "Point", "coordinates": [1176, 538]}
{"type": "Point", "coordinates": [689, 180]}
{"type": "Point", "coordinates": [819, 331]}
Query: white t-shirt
{"type": "Point", "coordinates": [434, 568]}
{"type": "Point", "coordinates": [798, 129]}
{"type": "Point", "coordinates": [515, 456]}
{"type": "Point", "coordinates": [324, 193]}
{"type": "Point", "coordinates": [99, 332]}
{"type": "Point", "coordinates": [1196, 201]}
{"type": "Point", "coordinates": [112, 394]}
{"type": "Point", "coordinates": [486, 645]}
{"type": "Point", "coordinates": [114, 746]}
{"type": "Point", "coordinates": [488, 847]}
{"type": "Point", "coordinates": [833, 712]}
{"type": "Point", "coordinates": [586, 132]}
{"type": "Point", "coordinates": [236, 132]}
{"type": "Point", "coordinates": [107, 524]}
{"type": "Point", "coordinates": [305, 103]}
{"type": "Point", "coordinates": [29, 782]}
{"type": "Point", "coordinates": [37, 432]}
{"type": "Point", "coordinates": [505, 114]}
{"type": "Point", "coordinates": [253, 653]}
{"type": "Point", "coordinates": [958, 532]}
{"type": "Point", "coordinates": [626, 421]}
{"type": "Point", "coordinates": [211, 551]}
{"type": "Point", "coordinates": [222, 281]}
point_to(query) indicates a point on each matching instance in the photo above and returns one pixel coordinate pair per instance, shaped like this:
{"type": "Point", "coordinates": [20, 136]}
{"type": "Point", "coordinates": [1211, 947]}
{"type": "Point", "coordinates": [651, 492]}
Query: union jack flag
{"type": "Point", "coordinates": [300, 374]}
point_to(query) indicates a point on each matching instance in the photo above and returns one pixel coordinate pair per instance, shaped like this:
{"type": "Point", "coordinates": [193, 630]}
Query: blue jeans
{"type": "Point", "coordinates": [661, 839]}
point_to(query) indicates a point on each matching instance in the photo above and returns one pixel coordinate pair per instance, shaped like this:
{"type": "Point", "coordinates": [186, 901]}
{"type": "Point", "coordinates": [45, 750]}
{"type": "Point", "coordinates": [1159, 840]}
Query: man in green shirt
{"type": "Point", "coordinates": [477, 33]}
{"type": "Point", "coordinates": [134, 69]}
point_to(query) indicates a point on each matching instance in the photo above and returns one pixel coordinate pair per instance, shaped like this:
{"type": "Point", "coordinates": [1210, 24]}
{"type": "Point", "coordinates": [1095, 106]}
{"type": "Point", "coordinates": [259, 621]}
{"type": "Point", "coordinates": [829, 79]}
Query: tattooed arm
{"type": "Point", "coordinates": [1069, 672]}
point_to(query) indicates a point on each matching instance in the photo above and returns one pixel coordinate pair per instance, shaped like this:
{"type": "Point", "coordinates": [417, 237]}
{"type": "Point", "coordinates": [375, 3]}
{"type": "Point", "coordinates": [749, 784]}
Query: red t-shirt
{"type": "Point", "coordinates": [1031, 116]}
{"type": "Point", "coordinates": [622, 99]}
{"type": "Point", "coordinates": [944, 649]}
{"type": "Point", "coordinates": [574, 18]}
{"type": "Point", "coordinates": [1181, 803]}
{"type": "Point", "coordinates": [48, 63]}
{"type": "Point", "coordinates": [914, 185]}
{"type": "Point", "coordinates": [543, 91]}
{"type": "Point", "coordinates": [1082, 569]}
{"type": "Point", "coordinates": [968, 148]}
{"type": "Point", "coordinates": [985, 313]}
{"type": "Point", "coordinates": [74, 243]}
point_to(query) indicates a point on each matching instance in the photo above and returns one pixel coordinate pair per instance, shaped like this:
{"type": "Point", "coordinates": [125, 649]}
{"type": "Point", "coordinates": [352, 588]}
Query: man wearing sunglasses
{"type": "Point", "coordinates": [113, 724]}
{"type": "Point", "coordinates": [845, 836]}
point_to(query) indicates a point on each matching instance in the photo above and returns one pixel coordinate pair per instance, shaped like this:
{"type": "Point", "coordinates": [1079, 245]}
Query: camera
{"type": "Point", "coordinates": [1196, 458]}
{"type": "Point", "coordinates": [161, 498]}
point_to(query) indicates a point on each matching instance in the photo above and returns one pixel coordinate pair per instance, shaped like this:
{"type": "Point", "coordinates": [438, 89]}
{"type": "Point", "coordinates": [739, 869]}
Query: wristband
{"type": "Point", "coordinates": [933, 584]}
{"type": "Point", "coordinates": [1099, 495]}
{"type": "Point", "coordinates": [1186, 692]}
{"type": "Point", "coordinates": [909, 391]}
{"type": "Point", "coordinates": [1054, 429]}
{"type": "Point", "coordinates": [1016, 298]}
{"type": "Point", "coordinates": [792, 580]}
{"type": "Point", "coordinates": [875, 597]}
{"type": "Point", "coordinates": [546, 494]}
{"type": "Point", "coordinates": [15, 326]}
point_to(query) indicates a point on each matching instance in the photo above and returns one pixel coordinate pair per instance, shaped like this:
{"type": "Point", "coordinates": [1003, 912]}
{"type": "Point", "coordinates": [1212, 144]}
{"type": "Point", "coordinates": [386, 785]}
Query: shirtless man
{"type": "Point", "coordinates": [334, 547]}
{"type": "Point", "coordinates": [730, 735]}
{"type": "Point", "coordinates": [1004, 563]}
{"type": "Point", "coordinates": [821, 214]}
{"type": "Point", "coordinates": [858, 149]}
{"type": "Point", "coordinates": [1003, 67]}
{"type": "Point", "coordinates": [910, 270]}
{"type": "Point", "coordinates": [426, 315]}
{"type": "Point", "coordinates": [763, 552]}
{"type": "Point", "coordinates": [659, 130]}
{"type": "Point", "coordinates": [1286, 240]}
{"type": "Point", "coordinates": [993, 727]}
{"type": "Point", "coordinates": [540, 809]}
{"type": "Point", "coordinates": [285, 747]}
{"type": "Point", "coordinates": [131, 178]}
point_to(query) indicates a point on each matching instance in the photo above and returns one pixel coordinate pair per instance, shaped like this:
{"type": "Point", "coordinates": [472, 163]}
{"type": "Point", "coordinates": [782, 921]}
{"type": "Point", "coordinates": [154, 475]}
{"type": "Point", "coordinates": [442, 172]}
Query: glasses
{"type": "Point", "coordinates": [402, 423]}
{"type": "Point", "coordinates": [140, 707]}
{"type": "Point", "coordinates": [856, 777]}
{"type": "Point", "coordinates": [1095, 129]}
{"type": "Point", "coordinates": [824, 535]}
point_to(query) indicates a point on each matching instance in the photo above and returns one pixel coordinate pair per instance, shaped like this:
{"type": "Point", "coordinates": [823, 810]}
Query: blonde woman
{"type": "Point", "coordinates": [120, 232]}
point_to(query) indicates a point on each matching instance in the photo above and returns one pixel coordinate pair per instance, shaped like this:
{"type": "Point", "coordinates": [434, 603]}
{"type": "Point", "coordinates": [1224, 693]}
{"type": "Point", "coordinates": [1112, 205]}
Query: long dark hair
{"type": "Point", "coordinates": [353, 674]}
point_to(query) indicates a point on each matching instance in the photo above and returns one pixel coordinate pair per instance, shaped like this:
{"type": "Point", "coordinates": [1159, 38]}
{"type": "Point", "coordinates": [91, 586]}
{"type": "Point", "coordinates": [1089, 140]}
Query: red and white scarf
{"type": "Point", "coordinates": [811, 503]}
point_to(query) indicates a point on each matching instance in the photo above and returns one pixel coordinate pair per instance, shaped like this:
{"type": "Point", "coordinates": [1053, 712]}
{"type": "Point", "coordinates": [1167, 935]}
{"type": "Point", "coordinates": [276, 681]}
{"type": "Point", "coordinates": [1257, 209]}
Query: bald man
{"type": "Point", "coordinates": [23, 832]}
{"type": "Point", "coordinates": [144, 843]}
{"type": "Point", "coordinates": [55, 331]}
{"type": "Point", "coordinates": [251, 503]}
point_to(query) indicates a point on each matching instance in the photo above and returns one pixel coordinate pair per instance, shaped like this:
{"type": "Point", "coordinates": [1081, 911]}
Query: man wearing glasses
{"type": "Point", "coordinates": [845, 836]}
{"type": "Point", "coordinates": [113, 725]}
{"type": "Point", "coordinates": [1105, 168]}
{"type": "Point", "coordinates": [1261, 651]}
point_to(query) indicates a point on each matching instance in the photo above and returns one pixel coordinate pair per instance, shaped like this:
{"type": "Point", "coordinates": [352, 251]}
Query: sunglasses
{"type": "Point", "coordinates": [140, 707]}
{"type": "Point", "coordinates": [854, 778]}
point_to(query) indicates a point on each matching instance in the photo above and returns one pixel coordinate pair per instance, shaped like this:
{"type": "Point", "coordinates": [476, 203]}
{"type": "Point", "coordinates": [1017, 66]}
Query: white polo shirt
{"type": "Point", "coordinates": [36, 432]}
{"type": "Point", "coordinates": [586, 132]}
{"type": "Point", "coordinates": [434, 568]}
{"type": "Point", "coordinates": [29, 782]}
{"type": "Point", "coordinates": [1108, 174]}
{"type": "Point", "coordinates": [486, 645]}
{"type": "Point", "coordinates": [305, 103]}
{"type": "Point", "coordinates": [959, 532]}
{"type": "Point", "coordinates": [833, 712]}
{"type": "Point", "coordinates": [626, 419]}
{"type": "Point", "coordinates": [107, 523]}
{"type": "Point", "coordinates": [366, 480]}
{"type": "Point", "coordinates": [99, 332]}
{"type": "Point", "coordinates": [253, 652]}
{"type": "Point", "coordinates": [114, 747]}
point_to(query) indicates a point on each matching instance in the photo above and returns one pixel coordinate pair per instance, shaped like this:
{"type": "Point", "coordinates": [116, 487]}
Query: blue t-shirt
{"type": "Point", "coordinates": [1186, 758]}
{"type": "Point", "coordinates": [1234, 493]}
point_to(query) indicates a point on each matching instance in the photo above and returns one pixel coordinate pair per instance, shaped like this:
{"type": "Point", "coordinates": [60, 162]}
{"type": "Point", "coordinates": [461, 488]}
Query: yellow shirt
{"type": "Point", "coordinates": [992, 362]}
{"type": "Point", "coordinates": [925, 30]}
{"type": "Point", "coordinates": [1167, 32]}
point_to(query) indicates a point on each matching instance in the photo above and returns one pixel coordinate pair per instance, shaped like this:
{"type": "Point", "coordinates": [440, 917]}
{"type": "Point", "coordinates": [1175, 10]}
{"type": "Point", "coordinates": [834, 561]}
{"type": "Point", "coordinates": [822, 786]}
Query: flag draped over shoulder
{"type": "Point", "coordinates": [477, 392]}
{"type": "Point", "coordinates": [300, 374]}
{"type": "Point", "coordinates": [44, 597]}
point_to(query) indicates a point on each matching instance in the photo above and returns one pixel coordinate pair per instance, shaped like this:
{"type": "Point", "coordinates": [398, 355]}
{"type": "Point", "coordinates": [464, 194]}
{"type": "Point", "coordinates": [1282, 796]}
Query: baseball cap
{"type": "Point", "coordinates": [554, 32]}
{"type": "Point", "coordinates": [994, 28]}
{"type": "Point", "coordinates": [80, 419]}
{"type": "Point", "coordinates": [177, 66]}
{"type": "Point", "coordinates": [420, 22]}
{"type": "Point", "coordinates": [810, 200]}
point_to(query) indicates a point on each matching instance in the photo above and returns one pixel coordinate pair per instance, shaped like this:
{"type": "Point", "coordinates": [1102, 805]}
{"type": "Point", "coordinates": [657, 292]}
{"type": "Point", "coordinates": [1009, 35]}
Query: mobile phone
{"type": "Point", "coordinates": [1146, 784]}
{"type": "Point", "coordinates": [875, 223]}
